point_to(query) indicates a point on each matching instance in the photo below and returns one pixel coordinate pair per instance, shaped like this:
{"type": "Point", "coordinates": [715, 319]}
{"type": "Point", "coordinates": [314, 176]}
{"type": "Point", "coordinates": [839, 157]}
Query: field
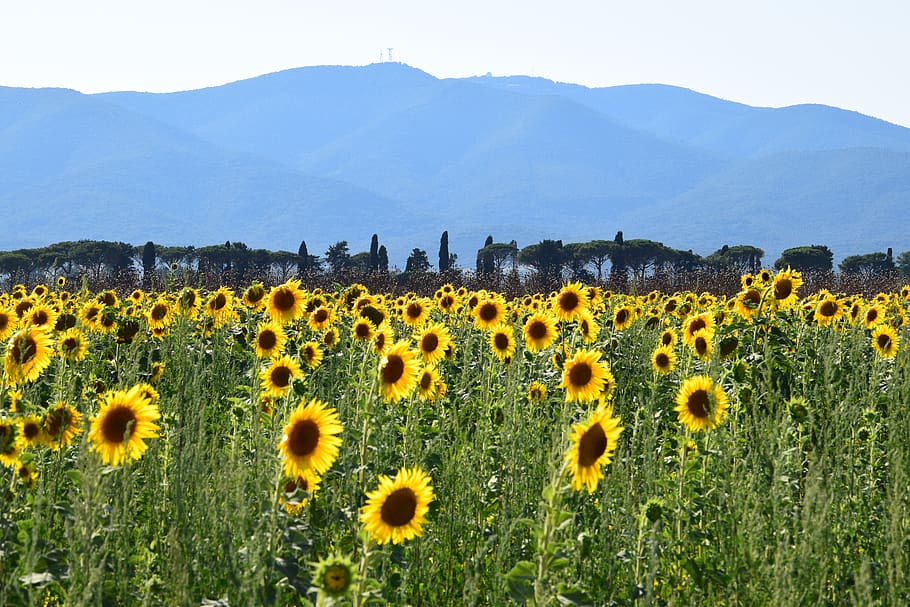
{"type": "Point", "coordinates": [275, 445]}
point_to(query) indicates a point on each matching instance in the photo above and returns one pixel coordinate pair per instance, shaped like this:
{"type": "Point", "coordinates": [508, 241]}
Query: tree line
{"type": "Point", "coordinates": [547, 262]}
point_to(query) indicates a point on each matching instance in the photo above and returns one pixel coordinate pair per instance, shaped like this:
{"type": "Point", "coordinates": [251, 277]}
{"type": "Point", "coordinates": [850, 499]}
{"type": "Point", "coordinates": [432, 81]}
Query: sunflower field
{"type": "Point", "coordinates": [276, 445]}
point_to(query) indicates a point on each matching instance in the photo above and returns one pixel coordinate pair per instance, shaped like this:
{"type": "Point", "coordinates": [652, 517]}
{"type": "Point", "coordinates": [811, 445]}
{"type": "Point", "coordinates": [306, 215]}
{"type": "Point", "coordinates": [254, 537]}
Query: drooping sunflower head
{"type": "Point", "coordinates": [398, 372]}
{"type": "Point", "coordinates": [397, 509]}
{"type": "Point", "coordinates": [125, 419]}
{"type": "Point", "coordinates": [310, 440]}
{"type": "Point", "coordinates": [593, 444]}
{"type": "Point", "coordinates": [701, 403]}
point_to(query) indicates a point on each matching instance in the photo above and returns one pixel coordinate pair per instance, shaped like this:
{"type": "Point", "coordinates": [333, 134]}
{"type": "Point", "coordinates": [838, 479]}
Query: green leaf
{"type": "Point", "coordinates": [519, 580]}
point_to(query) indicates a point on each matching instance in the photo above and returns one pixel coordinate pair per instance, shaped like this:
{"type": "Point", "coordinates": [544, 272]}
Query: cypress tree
{"type": "Point", "coordinates": [383, 257]}
{"type": "Point", "coordinates": [444, 252]}
{"type": "Point", "coordinates": [374, 253]}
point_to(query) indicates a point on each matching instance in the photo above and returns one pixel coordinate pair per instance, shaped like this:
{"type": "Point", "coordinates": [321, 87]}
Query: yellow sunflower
{"type": "Point", "coordinates": [701, 403]}
{"type": "Point", "coordinates": [321, 318]}
{"type": "Point", "coordinates": [396, 510]}
{"type": "Point", "coordinates": [31, 428]}
{"type": "Point", "coordinates": [398, 372]}
{"type": "Point", "coordinates": [488, 313]}
{"type": "Point", "coordinates": [72, 345]}
{"type": "Point", "coordinates": [428, 384]}
{"type": "Point", "coordinates": [416, 311]}
{"type": "Point", "coordinates": [663, 359]}
{"type": "Point", "coordinates": [126, 418]}
{"type": "Point", "coordinates": [287, 302]}
{"type": "Point", "coordinates": [311, 354]}
{"type": "Point", "coordinates": [310, 441]}
{"type": "Point", "coordinates": [10, 443]}
{"type": "Point", "coordinates": [828, 311]}
{"type": "Point", "coordinates": [698, 322]}
{"type": "Point", "coordinates": [669, 337]}
{"type": "Point", "coordinates": [885, 340]}
{"type": "Point", "coordinates": [220, 306]}
{"type": "Point", "coordinates": [41, 315]}
{"type": "Point", "coordinates": [593, 444]}
{"type": "Point", "coordinates": [8, 322]}
{"type": "Point", "coordinates": [623, 317]}
{"type": "Point", "coordinates": [254, 296]}
{"type": "Point", "coordinates": [584, 377]}
{"type": "Point", "coordinates": [786, 282]}
{"type": "Point", "coordinates": [270, 339]}
{"type": "Point", "coordinates": [571, 301]}
{"type": "Point", "coordinates": [383, 338]}
{"type": "Point", "coordinates": [540, 331]}
{"type": "Point", "coordinates": [28, 354]}
{"type": "Point", "coordinates": [433, 342]}
{"type": "Point", "coordinates": [873, 315]}
{"type": "Point", "coordinates": [277, 377]}
{"type": "Point", "coordinates": [702, 344]}
{"type": "Point", "coordinates": [297, 492]}
{"type": "Point", "coordinates": [537, 391]}
{"type": "Point", "coordinates": [363, 329]}
{"type": "Point", "coordinates": [502, 341]}
{"type": "Point", "coordinates": [747, 302]}
{"type": "Point", "coordinates": [330, 337]}
{"type": "Point", "coordinates": [588, 327]}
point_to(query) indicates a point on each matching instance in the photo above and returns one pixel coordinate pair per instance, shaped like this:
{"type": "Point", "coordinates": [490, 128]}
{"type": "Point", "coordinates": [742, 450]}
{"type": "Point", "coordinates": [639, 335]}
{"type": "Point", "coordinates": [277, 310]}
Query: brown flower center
{"type": "Point", "coordinates": [281, 376]}
{"type": "Point", "coordinates": [393, 369]}
{"type": "Point", "coordinates": [580, 374]}
{"type": "Point", "coordinates": [592, 445]}
{"type": "Point", "coordinates": [117, 424]}
{"type": "Point", "coordinates": [698, 404]}
{"type": "Point", "coordinates": [399, 507]}
{"type": "Point", "coordinates": [304, 437]}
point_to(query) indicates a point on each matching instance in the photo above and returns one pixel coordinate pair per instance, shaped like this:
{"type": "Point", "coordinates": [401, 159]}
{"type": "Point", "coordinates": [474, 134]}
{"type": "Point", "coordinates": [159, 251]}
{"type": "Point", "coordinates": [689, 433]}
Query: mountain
{"type": "Point", "coordinates": [339, 153]}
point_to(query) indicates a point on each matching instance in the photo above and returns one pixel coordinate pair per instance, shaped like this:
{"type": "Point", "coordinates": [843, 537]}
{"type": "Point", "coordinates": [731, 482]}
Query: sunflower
{"type": "Point", "coordinates": [330, 337]}
{"type": "Point", "coordinates": [416, 311]}
{"type": "Point", "coordinates": [287, 302]}
{"type": "Point", "coordinates": [321, 318]}
{"type": "Point", "coordinates": [28, 354]}
{"type": "Point", "coordinates": [885, 340]}
{"type": "Point", "coordinates": [669, 337]}
{"type": "Point", "coordinates": [311, 354]}
{"type": "Point", "coordinates": [663, 359]}
{"type": "Point", "coordinates": [72, 345]}
{"type": "Point", "coordinates": [108, 298]}
{"type": "Point", "coordinates": [428, 384]}
{"type": "Point", "coordinates": [593, 444]}
{"type": "Point", "coordinates": [160, 314]}
{"type": "Point", "coordinates": [699, 322]}
{"type": "Point", "coordinates": [786, 282]}
{"type": "Point", "coordinates": [124, 420]}
{"type": "Point", "coordinates": [383, 338]}
{"type": "Point", "coordinates": [363, 330]}
{"type": "Point", "coordinates": [623, 317]}
{"type": "Point", "coordinates": [220, 306]}
{"type": "Point", "coordinates": [41, 315]}
{"type": "Point", "coordinates": [254, 296]}
{"type": "Point", "coordinates": [588, 327]}
{"type": "Point", "coordinates": [584, 377]}
{"type": "Point", "coordinates": [702, 344]}
{"type": "Point", "coordinates": [502, 340]}
{"type": "Point", "coordinates": [873, 315]}
{"type": "Point", "coordinates": [398, 372]}
{"type": "Point", "coordinates": [333, 576]}
{"type": "Point", "coordinates": [540, 331]}
{"type": "Point", "coordinates": [8, 322]}
{"type": "Point", "coordinates": [828, 311]}
{"type": "Point", "coordinates": [571, 301]}
{"type": "Point", "coordinates": [27, 474]}
{"type": "Point", "coordinates": [537, 391]}
{"type": "Point", "coordinates": [270, 339]}
{"type": "Point", "coordinates": [10, 443]}
{"type": "Point", "coordinates": [156, 372]}
{"type": "Point", "coordinates": [277, 377]}
{"type": "Point", "coordinates": [489, 313]}
{"type": "Point", "coordinates": [310, 440]}
{"type": "Point", "coordinates": [31, 428]}
{"type": "Point", "coordinates": [448, 303]}
{"type": "Point", "coordinates": [90, 315]}
{"type": "Point", "coordinates": [396, 510]}
{"type": "Point", "coordinates": [701, 403]}
{"type": "Point", "coordinates": [189, 302]}
{"type": "Point", "coordinates": [433, 342]}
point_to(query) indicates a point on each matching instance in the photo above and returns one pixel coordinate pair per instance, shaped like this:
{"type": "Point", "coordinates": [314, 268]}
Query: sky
{"type": "Point", "coordinates": [845, 53]}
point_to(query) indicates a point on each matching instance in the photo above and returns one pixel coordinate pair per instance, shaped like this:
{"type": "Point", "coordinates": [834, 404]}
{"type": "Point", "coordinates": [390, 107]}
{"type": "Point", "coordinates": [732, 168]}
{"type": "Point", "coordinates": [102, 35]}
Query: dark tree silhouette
{"type": "Point", "coordinates": [374, 253]}
{"type": "Point", "coordinates": [444, 259]}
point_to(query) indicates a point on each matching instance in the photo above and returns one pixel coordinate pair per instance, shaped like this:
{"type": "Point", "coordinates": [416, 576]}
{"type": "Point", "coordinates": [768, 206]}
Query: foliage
{"type": "Point", "coordinates": [809, 258]}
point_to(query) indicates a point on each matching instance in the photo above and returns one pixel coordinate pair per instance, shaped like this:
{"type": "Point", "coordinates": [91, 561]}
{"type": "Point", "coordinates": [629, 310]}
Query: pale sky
{"type": "Point", "coordinates": [852, 54]}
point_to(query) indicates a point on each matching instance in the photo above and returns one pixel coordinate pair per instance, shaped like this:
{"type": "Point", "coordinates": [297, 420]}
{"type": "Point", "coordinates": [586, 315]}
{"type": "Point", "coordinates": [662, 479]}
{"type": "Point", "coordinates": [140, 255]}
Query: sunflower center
{"type": "Point", "coordinates": [267, 340]}
{"type": "Point", "coordinates": [362, 330]}
{"type": "Point", "coordinates": [871, 316]}
{"type": "Point", "coordinates": [117, 424]}
{"type": "Point", "coordinates": [568, 301]}
{"type": "Point", "coordinates": [414, 310]}
{"type": "Point", "coordinates": [621, 317]}
{"type": "Point", "coordinates": [429, 343]}
{"type": "Point", "coordinates": [592, 445]}
{"type": "Point", "coordinates": [537, 330]}
{"type": "Point", "coordinates": [393, 370]}
{"type": "Point", "coordinates": [399, 507]}
{"type": "Point", "coordinates": [40, 317]}
{"type": "Point", "coordinates": [662, 360]}
{"type": "Point", "coordinates": [55, 422]}
{"type": "Point", "coordinates": [828, 308]}
{"type": "Point", "coordinates": [666, 339]}
{"type": "Point", "coordinates": [701, 345]}
{"type": "Point", "coordinates": [487, 312]}
{"type": "Point", "coordinates": [698, 404]}
{"type": "Point", "coordinates": [580, 374]}
{"type": "Point", "coordinates": [502, 341]}
{"type": "Point", "coordinates": [884, 341]}
{"type": "Point", "coordinates": [304, 437]}
{"type": "Point", "coordinates": [283, 300]}
{"type": "Point", "coordinates": [24, 349]}
{"type": "Point", "coordinates": [31, 430]}
{"type": "Point", "coordinates": [783, 288]}
{"type": "Point", "coordinates": [426, 381]}
{"type": "Point", "coordinates": [309, 353]}
{"type": "Point", "coordinates": [320, 315]}
{"type": "Point", "coordinates": [281, 376]}
{"type": "Point", "coordinates": [219, 302]}
{"type": "Point", "coordinates": [159, 312]}
{"type": "Point", "coordinates": [696, 325]}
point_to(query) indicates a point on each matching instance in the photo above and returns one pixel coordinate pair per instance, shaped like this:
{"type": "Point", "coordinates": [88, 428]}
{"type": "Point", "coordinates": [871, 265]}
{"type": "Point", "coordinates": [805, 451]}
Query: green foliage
{"type": "Point", "coordinates": [741, 258]}
{"type": "Point", "coordinates": [808, 258]}
{"type": "Point", "coordinates": [870, 263]}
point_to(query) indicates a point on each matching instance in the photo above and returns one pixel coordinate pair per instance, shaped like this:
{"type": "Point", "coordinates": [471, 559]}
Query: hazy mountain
{"type": "Point", "coordinates": [338, 153]}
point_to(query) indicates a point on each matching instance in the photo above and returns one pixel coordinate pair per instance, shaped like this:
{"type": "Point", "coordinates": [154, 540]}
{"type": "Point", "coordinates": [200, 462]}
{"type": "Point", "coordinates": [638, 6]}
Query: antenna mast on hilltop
{"type": "Point", "coordinates": [390, 54]}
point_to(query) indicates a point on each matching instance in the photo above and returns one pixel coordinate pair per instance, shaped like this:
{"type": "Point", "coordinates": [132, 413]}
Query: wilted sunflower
{"type": "Point", "coordinates": [270, 339]}
{"type": "Point", "coordinates": [287, 302]}
{"type": "Point", "coordinates": [701, 403]}
{"type": "Point", "coordinates": [540, 331]}
{"type": "Point", "coordinates": [663, 359]}
{"type": "Point", "coordinates": [593, 444]}
{"type": "Point", "coordinates": [433, 342]}
{"type": "Point", "coordinates": [28, 354]}
{"type": "Point", "coordinates": [571, 301]}
{"type": "Point", "coordinates": [334, 576]}
{"type": "Point", "coordinates": [72, 345]}
{"type": "Point", "coordinates": [297, 492]}
{"type": "Point", "coordinates": [502, 340]}
{"type": "Point", "coordinates": [396, 510]}
{"type": "Point", "coordinates": [310, 440]}
{"type": "Point", "coordinates": [584, 377]}
{"type": "Point", "coordinates": [786, 282]}
{"type": "Point", "coordinates": [311, 354]}
{"type": "Point", "coordinates": [537, 391]}
{"type": "Point", "coordinates": [398, 372]}
{"type": "Point", "coordinates": [126, 418]}
{"type": "Point", "coordinates": [277, 377]}
{"type": "Point", "coordinates": [885, 340]}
